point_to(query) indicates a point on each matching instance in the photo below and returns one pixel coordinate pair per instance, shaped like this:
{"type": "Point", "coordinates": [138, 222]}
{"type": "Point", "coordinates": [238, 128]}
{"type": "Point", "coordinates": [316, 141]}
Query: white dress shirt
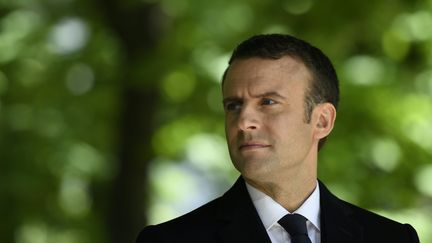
{"type": "Point", "coordinates": [270, 212]}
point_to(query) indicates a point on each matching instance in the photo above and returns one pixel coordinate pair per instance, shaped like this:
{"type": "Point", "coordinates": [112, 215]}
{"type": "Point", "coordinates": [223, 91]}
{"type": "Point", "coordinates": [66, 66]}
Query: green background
{"type": "Point", "coordinates": [111, 115]}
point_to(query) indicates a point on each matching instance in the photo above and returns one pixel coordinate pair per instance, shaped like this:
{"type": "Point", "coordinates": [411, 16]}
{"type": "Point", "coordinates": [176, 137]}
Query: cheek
{"type": "Point", "coordinates": [277, 123]}
{"type": "Point", "coordinates": [287, 128]}
{"type": "Point", "coordinates": [230, 129]}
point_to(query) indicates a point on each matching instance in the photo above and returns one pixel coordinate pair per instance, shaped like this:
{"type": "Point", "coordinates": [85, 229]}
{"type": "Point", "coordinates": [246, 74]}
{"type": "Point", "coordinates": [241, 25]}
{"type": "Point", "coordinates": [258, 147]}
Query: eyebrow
{"type": "Point", "coordinates": [270, 94]}
{"type": "Point", "coordinates": [265, 94]}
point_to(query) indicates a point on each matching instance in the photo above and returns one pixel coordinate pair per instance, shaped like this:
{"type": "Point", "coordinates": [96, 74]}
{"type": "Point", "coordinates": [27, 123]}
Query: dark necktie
{"type": "Point", "coordinates": [295, 225]}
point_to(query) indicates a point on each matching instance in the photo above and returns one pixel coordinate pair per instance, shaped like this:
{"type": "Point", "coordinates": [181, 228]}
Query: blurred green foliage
{"type": "Point", "coordinates": [111, 117]}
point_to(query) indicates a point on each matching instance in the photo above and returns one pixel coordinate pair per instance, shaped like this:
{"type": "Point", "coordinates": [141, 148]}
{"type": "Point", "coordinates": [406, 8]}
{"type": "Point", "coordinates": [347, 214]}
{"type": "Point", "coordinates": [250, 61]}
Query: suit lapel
{"type": "Point", "coordinates": [336, 223]}
{"type": "Point", "coordinates": [241, 222]}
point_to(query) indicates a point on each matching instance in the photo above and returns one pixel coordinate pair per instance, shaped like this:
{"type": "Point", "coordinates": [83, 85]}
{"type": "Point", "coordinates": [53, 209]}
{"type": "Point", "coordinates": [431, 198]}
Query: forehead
{"type": "Point", "coordinates": [257, 75]}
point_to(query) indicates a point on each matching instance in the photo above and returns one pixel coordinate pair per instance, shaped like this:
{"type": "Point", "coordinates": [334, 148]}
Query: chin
{"type": "Point", "coordinates": [255, 170]}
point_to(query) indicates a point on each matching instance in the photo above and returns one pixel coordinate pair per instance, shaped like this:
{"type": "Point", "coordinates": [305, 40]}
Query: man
{"type": "Point", "coordinates": [280, 96]}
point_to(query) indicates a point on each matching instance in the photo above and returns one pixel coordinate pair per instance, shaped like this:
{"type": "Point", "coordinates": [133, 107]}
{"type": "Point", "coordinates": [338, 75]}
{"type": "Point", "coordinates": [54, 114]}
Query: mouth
{"type": "Point", "coordinates": [252, 146]}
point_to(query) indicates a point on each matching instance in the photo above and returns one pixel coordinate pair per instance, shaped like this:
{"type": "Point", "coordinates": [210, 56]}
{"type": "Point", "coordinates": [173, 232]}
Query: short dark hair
{"type": "Point", "coordinates": [324, 86]}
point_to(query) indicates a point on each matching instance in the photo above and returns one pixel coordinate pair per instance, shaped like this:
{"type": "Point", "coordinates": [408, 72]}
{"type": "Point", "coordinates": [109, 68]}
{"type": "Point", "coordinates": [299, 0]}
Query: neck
{"type": "Point", "coordinates": [290, 188]}
{"type": "Point", "coordinates": [291, 195]}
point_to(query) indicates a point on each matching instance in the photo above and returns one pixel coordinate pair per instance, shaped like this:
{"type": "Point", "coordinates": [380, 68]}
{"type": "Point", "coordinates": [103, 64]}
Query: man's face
{"type": "Point", "coordinates": [264, 102]}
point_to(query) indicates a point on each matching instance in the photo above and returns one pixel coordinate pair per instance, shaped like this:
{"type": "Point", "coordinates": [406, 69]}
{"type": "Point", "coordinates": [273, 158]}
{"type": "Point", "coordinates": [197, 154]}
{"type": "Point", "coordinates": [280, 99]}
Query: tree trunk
{"type": "Point", "coordinates": [138, 30]}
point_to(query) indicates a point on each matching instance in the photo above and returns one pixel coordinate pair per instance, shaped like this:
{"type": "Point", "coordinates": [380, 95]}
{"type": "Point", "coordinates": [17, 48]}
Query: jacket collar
{"type": "Point", "coordinates": [336, 223]}
{"type": "Point", "coordinates": [241, 220]}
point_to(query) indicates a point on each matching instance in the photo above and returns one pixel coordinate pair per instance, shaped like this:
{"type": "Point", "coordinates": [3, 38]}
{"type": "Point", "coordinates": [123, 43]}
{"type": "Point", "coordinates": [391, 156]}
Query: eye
{"type": "Point", "coordinates": [233, 106]}
{"type": "Point", "coordinates": [268, 102]}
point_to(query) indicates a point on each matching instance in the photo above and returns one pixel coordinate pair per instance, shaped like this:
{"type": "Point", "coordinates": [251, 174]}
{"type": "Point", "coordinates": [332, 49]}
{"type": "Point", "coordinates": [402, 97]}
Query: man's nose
{"type": "Point", "coordinates": [248, 119]}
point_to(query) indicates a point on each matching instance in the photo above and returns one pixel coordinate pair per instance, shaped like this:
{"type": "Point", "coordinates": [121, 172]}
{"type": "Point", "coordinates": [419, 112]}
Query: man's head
{"type": "Point", "coordinates": [280, 96]}
{"type": "Point", "coordinates": [324, 86]}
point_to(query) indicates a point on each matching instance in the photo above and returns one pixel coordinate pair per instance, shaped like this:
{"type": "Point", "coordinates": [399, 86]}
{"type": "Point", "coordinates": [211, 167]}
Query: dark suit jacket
{"type": "Point", "coordinates": [233, 218]}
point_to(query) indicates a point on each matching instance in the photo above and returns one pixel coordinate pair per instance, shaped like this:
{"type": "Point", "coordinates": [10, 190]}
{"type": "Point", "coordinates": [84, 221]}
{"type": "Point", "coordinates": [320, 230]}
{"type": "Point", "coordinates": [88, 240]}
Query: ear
{"type": "Point", "coordinates": [324, 119]}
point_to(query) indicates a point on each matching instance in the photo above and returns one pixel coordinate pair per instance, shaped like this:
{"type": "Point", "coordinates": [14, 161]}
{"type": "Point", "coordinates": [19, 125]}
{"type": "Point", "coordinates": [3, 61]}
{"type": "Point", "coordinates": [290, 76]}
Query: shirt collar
{"type": "Point", "coordinates": [270, 211]}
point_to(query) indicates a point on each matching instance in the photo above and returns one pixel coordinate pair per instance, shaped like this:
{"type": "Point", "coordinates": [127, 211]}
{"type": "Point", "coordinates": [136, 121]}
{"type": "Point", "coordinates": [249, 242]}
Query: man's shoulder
{"type": "Point", "coordinates": [372, 225]}
{"type": "Point", "coordinates": [187, 224]}
{"type": "Point", "coordinates": [205, 213]}
{"type": "Point", "coordinates": [204, 223]}
{"type": "Point", "coordinates": [197, 225]}
{"type": "Point", "coordinates": [368, 217]}
{"type": "Point", "coordinates": [375, 224]}
{"type": "Point", "coordinates": [201, 217]}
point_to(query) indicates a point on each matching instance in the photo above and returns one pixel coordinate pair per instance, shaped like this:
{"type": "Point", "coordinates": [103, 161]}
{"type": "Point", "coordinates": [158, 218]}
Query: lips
{"type": "Point", "coordinates": [253, 145]}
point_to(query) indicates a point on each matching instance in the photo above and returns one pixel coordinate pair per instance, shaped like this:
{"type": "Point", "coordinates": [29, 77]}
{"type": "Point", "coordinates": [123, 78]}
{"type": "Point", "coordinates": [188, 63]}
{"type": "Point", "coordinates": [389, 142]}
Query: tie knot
{"type": "Point", "coordinates": [294, 224]}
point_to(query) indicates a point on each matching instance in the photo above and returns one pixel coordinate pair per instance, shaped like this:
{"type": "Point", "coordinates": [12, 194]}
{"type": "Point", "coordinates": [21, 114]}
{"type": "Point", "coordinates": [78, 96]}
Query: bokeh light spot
{"type": "Point", "coordinates": [414, 27]}
{"type": "Point", "coordinates": [178, 86]}
{"type": "Point", "coordinates": [74, 198]}
{"type": "Point", "coordinates": [79, 79]}
{"type": "Point", "coordinates": [423, 180]}
{"type": "Point", "coordinates": [297, 7]}
{"type": "Point", "coordinates": [238, 17]}
{"type": "Point", "coordinates": [179, 190]}
{"type": "Point", "coordinates": [395, 45]}
{"type": "Point", "coordinates": [84, 160]}
{"type": "Point", "coordinates": [211, 60]}
{"type": "Point", "coordinates": [32, 232]}
{"type": "Point", "coordinates": [386, 154]}
{"type": "Point", "coordinates": [15, 27]}
{"type": "Point", "coordinates": [174, 8]}
{"type": "Point", "coordinates": [364, 70]}
{"type": "Point", "coordinates": [170, 139]}
{"type": "Point", "coordinates": [209, 152]}
{"type": "Point", "coordinates": [423, 82]}
{"type": "Point", "coordinates": [417, 119]}
{"type": "Point", "coordinates": [420, 24]}
{"type": "Point", "coordinates": [69, 36]}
